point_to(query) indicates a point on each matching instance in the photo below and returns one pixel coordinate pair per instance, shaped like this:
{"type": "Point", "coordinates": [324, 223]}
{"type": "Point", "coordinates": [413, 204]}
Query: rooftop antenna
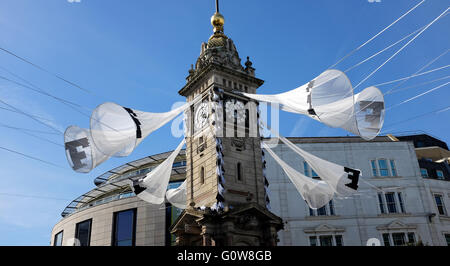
{"type": "Point", "coordinates": [217, 6]}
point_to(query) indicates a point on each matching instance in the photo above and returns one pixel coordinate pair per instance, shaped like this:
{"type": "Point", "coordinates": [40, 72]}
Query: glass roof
{"type": "Point", "coordinates": [118, 178]}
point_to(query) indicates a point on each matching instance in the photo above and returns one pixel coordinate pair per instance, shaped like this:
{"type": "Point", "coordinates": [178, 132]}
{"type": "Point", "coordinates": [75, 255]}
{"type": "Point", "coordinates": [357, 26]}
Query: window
{"type": "Point", "coordinates": [306, 168]}
{"type": "Point", "coordinates": [411, 238]}
{"type": "Point", "coordinates": [202, 175]}
{"type": "Point", "coordinates": [124, 228]}
{"type": "Point", "coordinates": [374, 168]}
{"type": "Point", "coordinates": [83, 232]}
{"type": "Point", "coordinates": [439, 204]}
{"type": "Point", "coordinates": [309, 171]}
{"type": "Point", "coordinates": [390, 202]}
{"type": "Point", "coordinates": [338, 239]}
{"type": "Point", "coordinates": [424, 172]}
{"type": "Point", "coordinates": [393, 170]}
{"type": "Point", "coordinates": [387, 240]}
{"type": "Point", "coordinates": [326, 241]}
{"type": "Point", "coordinates": [313, 241]}
{"type": "Point", "coordinates": [383, 167]}
{"type": "Point", "coordinates": [311, 212]}
{"type": "Point", "coordinates": [323, 211]}
{"type": "Point", "coordinates": [58, 239]}
{"type": "Point", "coordinates": [440, 174]}
{"type": "Point", "coordinates": [239, 172]}
{"type": "Point", "coordinates": [398, 239]}
{"type": "Point", "coordinates": [447, 239]}
{"type": "Point", "coordinates": [381, 203]}
{"type": "Point", "coordinates": [400, 201]}
{"type": "Point", "coordinates": [331, 205]}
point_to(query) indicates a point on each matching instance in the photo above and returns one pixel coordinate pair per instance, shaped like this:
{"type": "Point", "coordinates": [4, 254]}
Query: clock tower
{"type": "Point", "coordinates": [227, 197]}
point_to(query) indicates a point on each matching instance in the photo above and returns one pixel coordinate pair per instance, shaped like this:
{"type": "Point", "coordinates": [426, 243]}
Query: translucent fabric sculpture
{"type": "Point", "coordinates": [329, 99]}
{"type": "Point", "coordinates": [81, 152]}
{"type": "Point", "coordinates": [342, 180]}
{"type": "Point", "coordinates": [153, 187]}
{"type": "Point", "coordinates": [117, 130]}
{"type": "Point", "coordinates": [177, 196]}
{"type": "Point", "coordinates": [316, 193]}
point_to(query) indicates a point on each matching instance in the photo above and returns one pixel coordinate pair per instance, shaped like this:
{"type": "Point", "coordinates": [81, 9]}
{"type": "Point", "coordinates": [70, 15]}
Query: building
{"type": "Point", "coordinates": [396, 203]}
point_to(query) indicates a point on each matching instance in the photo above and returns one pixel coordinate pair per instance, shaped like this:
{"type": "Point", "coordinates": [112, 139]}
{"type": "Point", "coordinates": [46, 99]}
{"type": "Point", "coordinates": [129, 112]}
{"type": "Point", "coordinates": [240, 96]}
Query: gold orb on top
{"type": "Point", "coordinates": [217, 20]}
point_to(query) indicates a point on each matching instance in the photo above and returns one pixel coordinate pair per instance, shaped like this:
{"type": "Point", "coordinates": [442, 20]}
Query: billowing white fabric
{"type": "Point", "coordinates": [81, 152]}
{"type": "Point", "coordinates": [316, 193]}
{"type": "Point", "coordinates": [341, 181]}
{"type": "Point", "coordinates": [329, 99]}
{"type": "Point", "coordinates": [156, 181]}
{"type": "Point", "coordinates": [178, 196]}
{"type": "Point", "coordinates": [116, 131]}
{"type": "Point", "coordinates": [369, 112]}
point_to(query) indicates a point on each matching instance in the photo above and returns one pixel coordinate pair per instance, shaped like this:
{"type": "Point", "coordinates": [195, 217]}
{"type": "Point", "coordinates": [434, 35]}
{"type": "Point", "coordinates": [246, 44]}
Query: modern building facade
{"type": "Point", "coordinates": [396, 203]}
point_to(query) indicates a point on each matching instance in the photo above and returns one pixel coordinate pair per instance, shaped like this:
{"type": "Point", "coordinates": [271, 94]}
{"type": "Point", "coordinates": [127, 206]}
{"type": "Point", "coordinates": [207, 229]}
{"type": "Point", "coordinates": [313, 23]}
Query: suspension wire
{"type": "Point", "coordinates": [371, 39]}
{"type": "Point", "coordinates": [32, 117]}
{"type": "Point", "coordinates": [31, 157]}
{"type": "Point", "coordinates": [41, 92]}
{"type": "Point", "coordinates": [30, 134]}
{"type": "Point", "coordinates": [419, 95]}
{"type": "Point", "coordinates": [401, 49]}
{"type": "Point", "coordinates": [47, 71]}
{"type": "Point", "coordinates": [383, 50]}
{"type": "Point", "coordinates": [438, 111]}
{"type": "Point", "coordinates": [422, 68]}
{"type": "Point", "coordinates": [415, 86]}
{"type": "Point", "coordinates": [36, 116]}
{"type": "Point", "coordinates": [412, 76]}
{"type": "Point", "coordinates": [30, 130]}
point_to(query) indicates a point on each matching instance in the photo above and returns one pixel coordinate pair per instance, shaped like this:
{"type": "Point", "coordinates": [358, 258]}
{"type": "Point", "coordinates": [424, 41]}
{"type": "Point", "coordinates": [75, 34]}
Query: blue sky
{"type": "Point", "coordinates": [137, 54]}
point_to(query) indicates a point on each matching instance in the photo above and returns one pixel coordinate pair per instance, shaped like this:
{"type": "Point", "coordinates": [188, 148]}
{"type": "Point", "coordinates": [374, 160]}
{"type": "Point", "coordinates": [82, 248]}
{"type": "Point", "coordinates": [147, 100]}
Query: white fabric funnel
{"type": "Point", "coordinates": [81, 152]}
{"type": "Point", "coordinates": [178, 196]}
{"type": "Point", "coordinates": [153, 187]}
{"type": "Point", "coordinates": [316, 193]}
{"type": "Point", "coordinates": [329, 99]}
{"type": "Point", "coordinates": [343, 180]}
{"type": "Point", "coordinates": [117, 130]}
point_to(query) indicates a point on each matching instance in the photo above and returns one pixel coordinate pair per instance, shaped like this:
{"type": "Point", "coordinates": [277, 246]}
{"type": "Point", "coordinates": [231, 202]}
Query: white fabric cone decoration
{"type": "Point", "coordinates": [316, 193]}
{"type": "Point", "coordinates": [329, 99]}
{"type": "Point", "coordinates": [153, 187]}
{"type": "Point", "coordinates": [177, 196]}
{"type": "Point", "coordinates": [343, 180]}
{"type": "Point", "coordinates": [117, 130]}
{"type": "Point", "coordinates": [81, 152]}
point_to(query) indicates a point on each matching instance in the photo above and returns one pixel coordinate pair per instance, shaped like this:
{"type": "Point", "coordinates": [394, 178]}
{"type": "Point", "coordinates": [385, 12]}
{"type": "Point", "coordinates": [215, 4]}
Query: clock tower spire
{"type": "Point", "coordinates": [227, 199]}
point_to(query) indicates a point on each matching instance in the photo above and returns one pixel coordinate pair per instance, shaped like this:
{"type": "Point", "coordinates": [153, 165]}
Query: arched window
{"type": "Point", "coordinates": [239, 172]}
{"type": "Point", "coordinates": [202, 175]}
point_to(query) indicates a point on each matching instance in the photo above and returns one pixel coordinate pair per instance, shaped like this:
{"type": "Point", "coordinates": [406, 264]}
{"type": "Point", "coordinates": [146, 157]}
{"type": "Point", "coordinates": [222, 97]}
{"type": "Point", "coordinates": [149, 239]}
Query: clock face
{"type": "Point", "coordinates": [235, 109]}
{"type": "Point", "coordinates": [201, 115]}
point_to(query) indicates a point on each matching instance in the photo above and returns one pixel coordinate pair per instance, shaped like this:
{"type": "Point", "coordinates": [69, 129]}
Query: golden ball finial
{"type": "Point", "coordinates": [217, 20]}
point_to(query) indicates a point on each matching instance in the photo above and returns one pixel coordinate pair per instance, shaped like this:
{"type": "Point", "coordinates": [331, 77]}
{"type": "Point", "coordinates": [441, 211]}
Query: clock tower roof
{"type": "Point", "coordinates": [219, 53]}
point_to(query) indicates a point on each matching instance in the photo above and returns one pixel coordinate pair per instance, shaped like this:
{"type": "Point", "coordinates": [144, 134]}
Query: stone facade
{"type": "Point", "coordinates": [359, 218]}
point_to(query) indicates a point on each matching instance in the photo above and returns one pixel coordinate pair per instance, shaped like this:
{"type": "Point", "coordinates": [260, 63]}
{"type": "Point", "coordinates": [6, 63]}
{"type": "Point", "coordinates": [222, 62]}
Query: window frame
{"type": "Point", "coordinates": [114, 227]}
{"type": "Point", "coordinates": [440, 177]}
{"type": "Point", "coordinates": [391, 167]}
{"type": "Point", "coordinates": [393, 203]}
{"type": "Point", "coordinates": [56, 235]}
{"type": "Point", "coordinates": [89, 234]}
{"type": "Point", "coordinates": [426, 173]}
{"type": "Point", "coordinates": [380, 170]}
{"type": "Point", "coordinates": [442, 204]}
